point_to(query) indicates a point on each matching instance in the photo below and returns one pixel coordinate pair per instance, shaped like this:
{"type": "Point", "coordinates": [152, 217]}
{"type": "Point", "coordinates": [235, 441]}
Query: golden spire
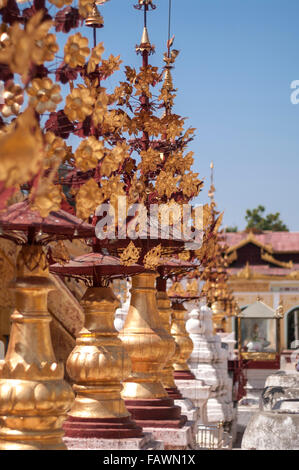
{"type": "Point", "coordinates": [212, 189]}
{"type": "Point", "coordinates": [145, 45]}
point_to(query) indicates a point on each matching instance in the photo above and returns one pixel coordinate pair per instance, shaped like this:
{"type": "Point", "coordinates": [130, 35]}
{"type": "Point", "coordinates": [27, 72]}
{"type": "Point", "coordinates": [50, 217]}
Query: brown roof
{"type": "Point", "coordinates": [281, 242]}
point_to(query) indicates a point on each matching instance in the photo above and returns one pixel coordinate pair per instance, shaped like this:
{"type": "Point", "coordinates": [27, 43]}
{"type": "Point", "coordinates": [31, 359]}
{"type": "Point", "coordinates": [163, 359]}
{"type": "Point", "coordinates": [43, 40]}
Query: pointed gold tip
{"type": "Point", "coordinates": [211, 165]}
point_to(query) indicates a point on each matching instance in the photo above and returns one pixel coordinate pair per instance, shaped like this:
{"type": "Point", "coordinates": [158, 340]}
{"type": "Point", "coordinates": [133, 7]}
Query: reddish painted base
{"type": "Point", "coordinates": [156, 413]}
{"type": "Point", "coordinates": [183, 375]}
{"type": "Point", "coordinates": [102, 428]}
{"type": "Point", "coordinates": [174, 393]}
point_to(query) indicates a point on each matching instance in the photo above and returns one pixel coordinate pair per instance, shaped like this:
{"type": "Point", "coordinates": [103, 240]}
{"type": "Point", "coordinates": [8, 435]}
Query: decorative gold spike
{"type": "Point", "coordinates": [145, 45]}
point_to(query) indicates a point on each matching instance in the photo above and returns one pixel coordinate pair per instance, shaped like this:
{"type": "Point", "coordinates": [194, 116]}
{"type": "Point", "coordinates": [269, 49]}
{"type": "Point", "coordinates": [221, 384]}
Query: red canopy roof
{"type": "Point", "coordinates": [60, 224]}
{"type": "Point", "coordinates": [95, 266]}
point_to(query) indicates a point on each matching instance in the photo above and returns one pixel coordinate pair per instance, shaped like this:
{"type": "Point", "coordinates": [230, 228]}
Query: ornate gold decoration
{"type": "Point", "coordinates": [13, 99]}
{"type": "Point", "coordinates": [267, 257]}
{"type": "Point", "coordinates": [89, 153]}
{"type": "Point", "coordinates": [79, 104]}
{"type": "Point", "coordinates": [23, 46]}
{"type": "Point", "coordinates": [55, 149]}
{"type": "Point", "coordinates": [176, 289]}
{"type": "Point", "coordinates": [46, 198]}
{"type": "Point", "coordinates": [59, 252]}
{"type": "Point", "coordinates": [96, 57]}
{"type": "Point", "coordinates": [20, 150]}
{"type": "Point", "coordinates": [60, 3]}
{"type": "Point", "coordinates": [233, 256]}
{"type": "Point", "coordinates": [219, 316]}
{"type": "Point", "coordinates": [99, 362]}
{"type": "Point", "coordinates": [146, 341]}
{"type": "Point", "coordinates": [251, 238]}
{"type": "Point", "coordinates": [34, 398]}
{"type": "Point", "coordinates": [130, 255]}
{"type": "Point", "coordinates": [259, 356]}
{"type": "Point", "coordinates": [192, 288]}
{"type": "Point", "coordinates": [76, 50]}
{"type": "Point", "coordinates": [88, 198]}
{"type": "Point", "coordinates": [152, 258]}
{"type": "Point", "coordinates": [45, 95]}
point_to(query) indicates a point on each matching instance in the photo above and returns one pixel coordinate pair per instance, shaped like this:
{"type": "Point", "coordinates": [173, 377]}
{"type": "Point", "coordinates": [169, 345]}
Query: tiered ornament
{"type": "Point", "coordinates": [167, 269]}
{"type": "Point", "coordinates": [99, 363]}
{"type": "Point", "coordinates": [218, 294]}
{"type": "Point", "coordinates": [34, 398]}
{"type": "Point", "coordinates": [178, 296]}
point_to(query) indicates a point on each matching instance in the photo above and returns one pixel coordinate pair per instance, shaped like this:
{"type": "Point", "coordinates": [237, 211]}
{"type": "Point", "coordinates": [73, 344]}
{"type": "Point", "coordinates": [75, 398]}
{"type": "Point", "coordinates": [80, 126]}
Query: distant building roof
{"type": "Point", "coordinates": [281, 242]}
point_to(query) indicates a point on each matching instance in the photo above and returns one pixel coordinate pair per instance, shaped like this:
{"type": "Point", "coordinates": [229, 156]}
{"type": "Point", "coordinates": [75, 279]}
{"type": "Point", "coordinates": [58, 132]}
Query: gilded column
{"type": "Point", "coordinates": [165, 312]}
{"type": "Point", "coordinates": [97, 366]}
{"type": "Point", "coordinates": [182, 338]}
{"type": "Point", "coordinates": [149, 346]}
{"type": "Point", "coordinates": [34, 398]}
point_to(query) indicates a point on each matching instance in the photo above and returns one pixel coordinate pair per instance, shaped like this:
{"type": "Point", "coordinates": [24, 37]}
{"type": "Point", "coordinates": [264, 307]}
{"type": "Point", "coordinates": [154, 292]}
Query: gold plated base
{"type": "Point", "coordinates": [99, 362]}
{"type": "Point", "coordinates": [182, 338]}
{"type": "Point", "coordinates": [165, 312]}
{"type": "Point", "coordinates": [34, 398]}
{"type": "Point", "coordinates": [146, 341]}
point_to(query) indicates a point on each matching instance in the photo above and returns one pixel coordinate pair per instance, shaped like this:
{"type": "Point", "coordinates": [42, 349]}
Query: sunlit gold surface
{"type": "Point", "coordinates": [219, 316]}
{"type": "Point", "coordinates": [99, 361]}
{"type": "Point", "coordinates": [165, 312]}
{"type": "Point", "coordinates": [146, 341]}
{"type": "Point", "coordinates": [259, 356]}
{"type": "Point", "coordinates": [183, 340]}
{"type": "Point", "coordinates": [34, 398]}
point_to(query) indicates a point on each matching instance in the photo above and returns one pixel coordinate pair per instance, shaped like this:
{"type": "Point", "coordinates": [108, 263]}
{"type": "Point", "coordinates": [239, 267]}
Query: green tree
{"type": "Point", "coordinates": [231, 229]}
{"type": "Point", "coordinates": [256, 219]}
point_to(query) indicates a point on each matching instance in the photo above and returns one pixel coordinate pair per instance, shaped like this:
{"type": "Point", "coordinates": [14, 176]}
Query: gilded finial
{"type": "Point", "coordinates": [145, 44]}
{"type": "Point", "coordinates": [212, 189]}
{"type": "Point", "coordinates": [146, 4]}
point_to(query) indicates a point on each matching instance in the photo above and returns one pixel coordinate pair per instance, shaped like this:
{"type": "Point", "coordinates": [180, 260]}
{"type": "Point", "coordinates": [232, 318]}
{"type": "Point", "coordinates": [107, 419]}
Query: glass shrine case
{"type": "Point", "coordinates": [259, 332]}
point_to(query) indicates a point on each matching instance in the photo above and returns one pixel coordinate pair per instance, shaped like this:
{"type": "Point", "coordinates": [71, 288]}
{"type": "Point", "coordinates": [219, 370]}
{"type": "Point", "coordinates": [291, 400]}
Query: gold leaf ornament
{"type": "Point", "coordinates": [13, 99]}
{"type": "Point", "coordinates": [47, 198]}
{"type": "Point", "coordinates": [79, 104]}
{"type": "Point", "coordinates": [22, 46]}
{"type": "Point", "coordinates": [88, 198]}
{"type": "Point", "coordinates": [21, 150]}
{"type": "Point", "coordinates": [61, 3]}
{"type": "Point", "coordinates": [130, 255]}
{"type": "Point", "coordinates": [59, 252]}
{"type": "Point", "coordinates": [44, 95]}
{"type": "Point", "coordinates": [114, 158]}
{"type": "Point", "coordinates": [95, 58]}
{"type": "Point", "coordinates": [89, 153]}
{"type": "Point", "coordinates": [76, 50]}
{"type": "Point", "coordinates": [55, 149]}
{"type": "Point", "coordinates": [153, 258]}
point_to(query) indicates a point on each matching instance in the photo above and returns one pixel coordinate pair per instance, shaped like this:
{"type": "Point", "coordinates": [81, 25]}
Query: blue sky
{"type": "Point", "coordinates": [238, 59]}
